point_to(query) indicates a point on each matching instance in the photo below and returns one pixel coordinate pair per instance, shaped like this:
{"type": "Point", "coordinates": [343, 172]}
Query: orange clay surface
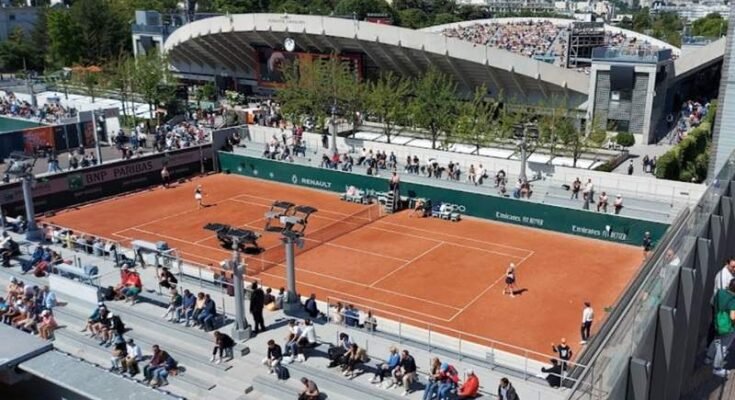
{"type": "Point", "coordinates": [422, 271]}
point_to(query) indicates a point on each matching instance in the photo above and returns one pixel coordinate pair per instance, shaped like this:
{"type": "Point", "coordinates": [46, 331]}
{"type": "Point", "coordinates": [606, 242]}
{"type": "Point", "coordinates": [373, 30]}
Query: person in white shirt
{"type": "Point", "coordinates": [589, 190]}
{"type": "Point", "coordinates": [135, 355]}
{"type": "Point", "coordinates": [618, 204]}
{"type": "Point", "coordinates": [726, 274]}
{"type": "Point", "coordinates": [294, 333]}
{"type": "Point", "coordinates": [306, 339]}
{"type": "Point", "coordinates": [587, 316]}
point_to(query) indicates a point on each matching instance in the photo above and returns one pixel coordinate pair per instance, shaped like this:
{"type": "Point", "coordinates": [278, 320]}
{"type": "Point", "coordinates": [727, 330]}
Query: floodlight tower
{"type": "Point", "coordinates": [241, 330]}
{"type": "Point", "coordinates": [21, 166]}
{"type": "Point", "coordinates": [290, 221]}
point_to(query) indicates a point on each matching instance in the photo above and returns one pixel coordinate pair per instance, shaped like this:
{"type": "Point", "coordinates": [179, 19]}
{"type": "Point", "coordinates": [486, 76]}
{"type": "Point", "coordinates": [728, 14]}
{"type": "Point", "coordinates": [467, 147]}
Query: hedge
{"type": "Point", "coordinates": [687, 161]}
{"type": "Point", "coordinates": [625, 139]}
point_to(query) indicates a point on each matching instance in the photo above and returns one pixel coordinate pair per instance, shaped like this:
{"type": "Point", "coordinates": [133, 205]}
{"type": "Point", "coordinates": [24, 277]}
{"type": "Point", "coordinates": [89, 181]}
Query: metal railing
{"type": "Point", "coordinates": [462, 345]}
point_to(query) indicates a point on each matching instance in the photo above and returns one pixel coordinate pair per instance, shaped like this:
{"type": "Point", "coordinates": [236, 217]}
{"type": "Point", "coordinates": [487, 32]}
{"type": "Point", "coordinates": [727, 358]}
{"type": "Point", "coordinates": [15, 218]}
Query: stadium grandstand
{"type": "Point", "coordinates": [619, 78]}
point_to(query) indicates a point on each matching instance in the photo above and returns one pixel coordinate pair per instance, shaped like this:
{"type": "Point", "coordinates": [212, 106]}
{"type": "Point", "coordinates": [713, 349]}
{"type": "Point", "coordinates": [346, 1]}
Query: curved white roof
{"type": "Point", "coordinates": [226, 44]}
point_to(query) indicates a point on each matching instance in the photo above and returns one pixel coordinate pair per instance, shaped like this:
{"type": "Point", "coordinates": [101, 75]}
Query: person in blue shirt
{"type": "Point", "coordinates": [206, 317]}
{"type": "Point", "coordinates": [387, 368]}
{"type": "Point", "coordinates": [352, 317]}
{"type": "Point", "coordinates": [35, 259]}
{"type": "Point", "coordinates": [49, 298]}
{"type": "Point", "coordinates": [187, 306]}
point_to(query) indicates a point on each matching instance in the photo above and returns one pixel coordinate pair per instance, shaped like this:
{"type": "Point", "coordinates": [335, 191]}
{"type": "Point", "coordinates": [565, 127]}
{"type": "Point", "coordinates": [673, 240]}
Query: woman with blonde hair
{"type": "Point", "coordinates": [510, 281]}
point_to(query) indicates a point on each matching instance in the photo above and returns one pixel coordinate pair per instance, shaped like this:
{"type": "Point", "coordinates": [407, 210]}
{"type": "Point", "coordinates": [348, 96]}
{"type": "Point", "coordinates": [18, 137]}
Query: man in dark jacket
{"type": "Point", "coordinates": [257, 302]}
{"type": "Point", "coordinates": [554, 377]}
{"type": "Point", "coordinates": [506, 391]}
{"type": "Point", "coordinates": [209, 312]}
{"type": "Point", "coordinates": [224, 344]}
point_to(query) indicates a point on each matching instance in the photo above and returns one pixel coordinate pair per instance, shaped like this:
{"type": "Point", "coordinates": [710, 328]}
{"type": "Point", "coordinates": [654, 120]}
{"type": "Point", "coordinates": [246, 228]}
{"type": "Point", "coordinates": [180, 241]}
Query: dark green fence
{"type": "Point", "coordinates": [553, 218]}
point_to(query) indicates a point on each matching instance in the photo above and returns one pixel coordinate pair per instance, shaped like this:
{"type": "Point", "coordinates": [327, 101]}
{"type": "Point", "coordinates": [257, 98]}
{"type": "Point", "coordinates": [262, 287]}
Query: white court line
{"type": "Point", "coordinates": [409, 262]}
{"type": "Point", "coordinates": [473, 301]}
{"type": "Point", "coordinates": [365, 300]}
{"type": "Point", "coordinates": [363, 251]}
{"type": "Point", "coordinates": [456, 236]}
{"type": "Point", "coordinates": [315, 215]}
{"type": "Point", "coordinates": [447, 243]}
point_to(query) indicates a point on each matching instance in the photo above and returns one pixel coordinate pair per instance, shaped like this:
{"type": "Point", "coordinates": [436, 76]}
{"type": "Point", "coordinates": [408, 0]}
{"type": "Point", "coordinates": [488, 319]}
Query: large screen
{"type": "Point", "coordinates": [271, 63]}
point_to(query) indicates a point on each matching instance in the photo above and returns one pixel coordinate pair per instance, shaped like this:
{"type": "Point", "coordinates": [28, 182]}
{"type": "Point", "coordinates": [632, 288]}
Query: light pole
{"type": "Point", "coordinates": [290, 221]}
{"type": "Point", "coordinates": [524, 132]}
{"type": "Point", "coordinates": [235, 238]}
{"type": "Point", "coordinates": [21, 166]}
{"type": "Point", "coordinates": [97, 128]}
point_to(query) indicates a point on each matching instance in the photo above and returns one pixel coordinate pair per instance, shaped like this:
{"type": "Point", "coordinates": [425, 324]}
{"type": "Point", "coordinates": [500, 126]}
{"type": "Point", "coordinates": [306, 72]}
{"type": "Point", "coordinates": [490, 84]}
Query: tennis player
{"type": "Point", "coordinates": [198, 194]}
{"type": "Point", "coordinates": [510, 281]}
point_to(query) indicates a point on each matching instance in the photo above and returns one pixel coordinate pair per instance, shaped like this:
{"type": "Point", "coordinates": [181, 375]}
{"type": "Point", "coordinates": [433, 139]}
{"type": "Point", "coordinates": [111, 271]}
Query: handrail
{"type": "Point", "coordinates": [494, 345]}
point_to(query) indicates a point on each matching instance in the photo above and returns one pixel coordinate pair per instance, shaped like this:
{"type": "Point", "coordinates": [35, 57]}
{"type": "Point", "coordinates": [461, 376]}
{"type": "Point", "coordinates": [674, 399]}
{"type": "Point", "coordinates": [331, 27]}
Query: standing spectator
{"type": "Point", "coordinates": [224, 344]}
{"type": "Point", "coordinates": [576, 186]}
{"type": "Point", "coordinates": [618, 204]}
{"type": "Point", "coordinates": [165, 177]}
{"type": "Point", "coordinates": [257, 300]}
{"type": "Point", "coordinates": [273, 357]}
{"type": "Point", "coordinates": [587, 316]}
{"type": "Point", "coordinates": [506, 391]}
{"type": "Point", "coordinates": [602, 202]}
{"type": "Point", "coordinates": [630, 167]}
{"type": "Point", "coordinates": [310, 392]}
{"type": "Point", "coordinates": [725, 275]}
{"type": "Point", "coordinates": [564, 352]}
{"type": "Point", "coordinates": [647, 243]}
{"type": "Point", "coordinates": [723, 321]}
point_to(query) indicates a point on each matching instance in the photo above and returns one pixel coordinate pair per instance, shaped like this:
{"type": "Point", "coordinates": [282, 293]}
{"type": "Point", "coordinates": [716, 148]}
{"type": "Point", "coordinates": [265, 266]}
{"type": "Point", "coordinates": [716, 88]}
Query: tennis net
{"type": "Point", "coordinates": [317, 237]}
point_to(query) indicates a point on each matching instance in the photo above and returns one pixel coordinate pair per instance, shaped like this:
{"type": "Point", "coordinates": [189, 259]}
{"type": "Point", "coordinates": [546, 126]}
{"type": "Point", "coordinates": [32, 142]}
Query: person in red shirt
{"type": "Point", "coordinates": [470, 387]}
{"type": "Point", "coordinates": [132, 286]}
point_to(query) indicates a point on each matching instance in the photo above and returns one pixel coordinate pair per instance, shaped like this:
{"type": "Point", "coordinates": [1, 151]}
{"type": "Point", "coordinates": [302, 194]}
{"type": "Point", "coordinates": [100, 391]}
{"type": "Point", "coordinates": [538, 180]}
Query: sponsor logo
{"type": "Point", "coordinates": [519, 219]}
{"type": "Point", "coordinates": [606, 232]}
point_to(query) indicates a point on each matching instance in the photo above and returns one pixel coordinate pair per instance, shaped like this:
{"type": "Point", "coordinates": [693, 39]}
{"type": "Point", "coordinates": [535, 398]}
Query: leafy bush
{"type": "Point", "coordinates": [606, 167]}
{"type": "Point", "coordinates": [625, 139]}
{"type": "Point", "coordinates": [668, 166]}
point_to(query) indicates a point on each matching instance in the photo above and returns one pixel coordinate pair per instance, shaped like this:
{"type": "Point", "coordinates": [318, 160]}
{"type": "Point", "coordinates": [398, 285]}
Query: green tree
{"type": "Point", "coordinates": [360, 7]}
{"type": "Point", "coordinates": [205, 92]}
{"type": "Point", "coordinates": [386, 100]}
{"type": "Point", "coordinates": [119, 77]}
{"type": "Point", "coordinates": [712, 25]}
{"type": "Point", "coordinates": [475, 121]}
{"type": "Point", "coordinates": [433, 105]}
{"type": "Point", "coordinates": [574, 141]}
{"type": "Point", "coordinates": [153, 80]}
{"type": "Point", "coordinates": [302, 93]}
{"type": "Point", "coordinates": [413, 18]}
{"type": "Point", "coordinates": [65, 42]}
{"type": "Point", "coordinates": [550, 123]}
{"type": "Point", "coordinates": [17, 52]}
{"type": "Point", "coordinates": [103, 29]}
{"type": "Point", "coordinates": [90, 80]}
{"type": "Point", "coordinates": [445, 18]}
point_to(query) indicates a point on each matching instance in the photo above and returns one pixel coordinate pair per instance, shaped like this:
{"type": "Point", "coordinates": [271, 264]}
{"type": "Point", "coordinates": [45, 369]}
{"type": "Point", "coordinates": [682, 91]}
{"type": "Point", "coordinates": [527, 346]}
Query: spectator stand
{"type": "Point", "coordinates": [448, 343]}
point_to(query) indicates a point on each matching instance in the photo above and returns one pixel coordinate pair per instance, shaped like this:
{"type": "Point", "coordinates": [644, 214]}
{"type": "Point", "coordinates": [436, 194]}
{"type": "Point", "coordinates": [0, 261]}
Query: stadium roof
{"type": "Point", "coordinates": [227, 43]}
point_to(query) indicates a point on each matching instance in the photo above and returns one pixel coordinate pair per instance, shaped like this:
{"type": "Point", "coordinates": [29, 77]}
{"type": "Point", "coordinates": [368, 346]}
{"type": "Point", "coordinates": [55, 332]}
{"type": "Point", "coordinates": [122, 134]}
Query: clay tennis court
{"type": "Point", "coordinates": [427, 271]}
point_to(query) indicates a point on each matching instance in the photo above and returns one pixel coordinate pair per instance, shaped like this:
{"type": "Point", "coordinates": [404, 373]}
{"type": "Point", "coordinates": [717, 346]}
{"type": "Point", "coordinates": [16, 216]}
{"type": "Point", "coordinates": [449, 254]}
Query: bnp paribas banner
{"type": "Point", "coordinates": [559, 219]}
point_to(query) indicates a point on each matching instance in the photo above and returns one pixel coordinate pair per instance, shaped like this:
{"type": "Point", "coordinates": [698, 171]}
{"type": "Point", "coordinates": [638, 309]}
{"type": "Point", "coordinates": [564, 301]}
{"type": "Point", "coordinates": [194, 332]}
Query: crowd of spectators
{"type": "Point", "coordinates": [537, 39]}
{"type": "Point", "coordinates": [29, 308]}
{"type": "Point", "coordinates": [49, 113]}
{"type": "Point", "coordinates": [691, 115]}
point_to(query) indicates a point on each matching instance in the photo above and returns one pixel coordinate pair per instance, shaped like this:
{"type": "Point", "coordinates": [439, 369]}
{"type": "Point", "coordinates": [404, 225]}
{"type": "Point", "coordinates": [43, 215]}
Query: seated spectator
{"type": "Point", "coordinates": [294, 332]}
{"type": "Point", "coordinates": [35, 259]}
{"type": "Point", "coordinates": [470, 387]}
{"type": "Point", "coordinates": [188, 301]}
{"type": "Point", "coordinates": [134, 356]}
{"type": "Point", "coordinates": [310, 391]}
{"type": "Point", "coordinates": [337, 314]}
{"type": "Point", "coordinates": [618, 204]}
{"type": "Point", "coordinates": [309, 306]}
{"type": "Point", "coordinates": [174, 303]}
{"type": "Point", "coordinates": [388, 367]}
{"type": "Point", "coordinates": [269, 300]}
{"type": "Point", "coordinates": [352, 358]}
{"type": "Point", "coordinates": [273, 357]}
{"type": "Point", "coordinates": [94, 318]}
{"type": "Point", "coordinates": [208, 314]}
{"type": "Point", "coordinates": [448, 381]}
{"type": "Point", "coordinates": [335, 353]}
{"type": "Point", "coordinates": [112, 328]}
{"type": "Point", "coordinates": [406, 374]}
{"type": "Point", "coordinates": [47, 326]}
{"type": "Point", "coordinates": [352, 316]}
{"type": "Point", "coordinates": [198, 308]}
{"type": "Point", "coordinates": [224, 345]}
{"type": "Point", "coordinates": [48, 298]}
{"type": "Point", "coordinates": [307, 339]}
{"type": "Point", "coordinates": [119, 353]}
{"type": "Point", "coordinates": [434, 379]}
{"type": "Point", "coordinates": [157, 370]}
{"type": "Point", "coordinates": [165, 278]}
{"type": "Point", "coordinates": [419, 209]}
{"type": "Point", "coordinates": [500, 178]}
{"type": "Point", "coordinates": [554, 377]}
